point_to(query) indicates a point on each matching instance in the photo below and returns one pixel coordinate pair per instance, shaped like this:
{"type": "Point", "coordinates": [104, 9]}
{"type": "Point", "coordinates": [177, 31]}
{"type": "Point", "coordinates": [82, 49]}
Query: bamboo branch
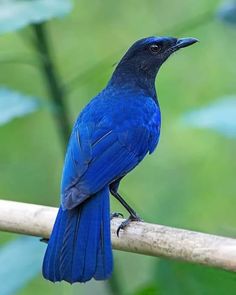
{"type": "Point", "coordinates": [139, 237]}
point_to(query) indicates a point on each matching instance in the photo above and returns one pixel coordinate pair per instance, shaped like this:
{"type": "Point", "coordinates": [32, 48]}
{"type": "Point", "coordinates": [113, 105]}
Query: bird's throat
{"type": "Point", "coordinates": [135, 78]}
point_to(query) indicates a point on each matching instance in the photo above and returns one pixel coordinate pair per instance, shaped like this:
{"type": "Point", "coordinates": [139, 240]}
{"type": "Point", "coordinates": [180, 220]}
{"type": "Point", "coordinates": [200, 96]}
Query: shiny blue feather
{"type": "Point", "coordinates": [80, 244]}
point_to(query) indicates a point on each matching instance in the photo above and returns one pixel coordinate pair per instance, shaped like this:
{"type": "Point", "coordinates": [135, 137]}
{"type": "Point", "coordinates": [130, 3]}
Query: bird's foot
{"type": "Point", "coordinates": [125, 223]}
{"type": "Point", "coordinates": [44, 240]}
{"type": "Point", "coordinates": [116, 214]}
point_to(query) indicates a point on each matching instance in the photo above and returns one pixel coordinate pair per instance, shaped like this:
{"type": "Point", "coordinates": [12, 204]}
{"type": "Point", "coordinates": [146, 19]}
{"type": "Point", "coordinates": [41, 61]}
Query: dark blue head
{"type": "Point", "coordinates": [144, 58]}
{"type": "Point", "coordinates": [150, 53]}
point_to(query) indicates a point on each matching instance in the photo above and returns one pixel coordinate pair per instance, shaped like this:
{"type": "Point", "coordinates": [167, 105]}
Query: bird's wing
{"type": "Point", "coordinates": [95, 159]}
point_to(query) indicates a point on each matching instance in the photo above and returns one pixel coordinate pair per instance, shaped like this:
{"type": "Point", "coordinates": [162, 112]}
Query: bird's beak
{"type": "Point", "coordinates": [184, 42]}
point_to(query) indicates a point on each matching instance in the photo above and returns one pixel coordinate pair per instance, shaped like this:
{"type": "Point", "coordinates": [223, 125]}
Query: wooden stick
{"type": "Point", "coordinates": [139, 237]}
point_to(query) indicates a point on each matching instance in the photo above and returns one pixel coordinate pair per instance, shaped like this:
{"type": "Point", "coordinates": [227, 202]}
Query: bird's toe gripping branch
{"type": "Point", "coordinates": [44, 240]}
{"type": "Point", "coordinates": [116, 215]}
{"type": "Point", "coordinates": [125, 223]}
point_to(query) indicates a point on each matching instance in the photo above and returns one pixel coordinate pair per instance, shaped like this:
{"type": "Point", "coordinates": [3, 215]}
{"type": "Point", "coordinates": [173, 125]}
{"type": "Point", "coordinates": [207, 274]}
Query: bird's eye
{"type": "Point", "coordinates": [154, 48]}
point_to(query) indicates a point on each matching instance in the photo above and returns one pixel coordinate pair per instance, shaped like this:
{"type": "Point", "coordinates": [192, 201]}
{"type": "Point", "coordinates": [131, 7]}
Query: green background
{"type": "Point", "coordinates": [189, 182]}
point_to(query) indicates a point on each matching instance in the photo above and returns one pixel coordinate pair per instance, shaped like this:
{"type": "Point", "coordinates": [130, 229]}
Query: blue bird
{"type": "Point", "coordinates": [110, 137]}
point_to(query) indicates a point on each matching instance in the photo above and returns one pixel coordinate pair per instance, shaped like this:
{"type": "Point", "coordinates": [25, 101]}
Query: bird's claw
{"type": "Point", "coordinates": [44, 240]}
{"type": "Point", "coordinates": [125, 223]}
{"type": "Point", "coordinates": [116, 214]}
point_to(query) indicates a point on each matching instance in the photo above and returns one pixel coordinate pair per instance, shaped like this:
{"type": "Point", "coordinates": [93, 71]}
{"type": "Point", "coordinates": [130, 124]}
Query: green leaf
{"type": "Point", "coordinates": [14, 104]}
{"type": "Point", "coordinates": [20, 262]}
{"type": "Point", "coordinates": [219, 116]}
{"type": "Point", "coordinates": [16, 14]}
{"type": "Point", "coordinates": [227, 12]}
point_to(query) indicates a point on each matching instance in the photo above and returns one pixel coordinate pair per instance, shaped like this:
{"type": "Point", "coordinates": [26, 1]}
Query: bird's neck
{"type": "Point", "coordinates": [129, 77]}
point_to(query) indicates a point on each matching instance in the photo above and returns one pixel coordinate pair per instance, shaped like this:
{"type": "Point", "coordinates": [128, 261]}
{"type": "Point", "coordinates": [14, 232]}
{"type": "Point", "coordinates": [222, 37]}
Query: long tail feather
{"type": "Point", "coordinates": [80, 244]}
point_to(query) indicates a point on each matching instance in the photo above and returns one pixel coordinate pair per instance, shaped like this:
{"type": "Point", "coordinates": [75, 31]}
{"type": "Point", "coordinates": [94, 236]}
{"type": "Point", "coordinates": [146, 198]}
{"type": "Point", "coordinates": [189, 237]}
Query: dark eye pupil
{"type": "Point", "coordinates": [154, 48]}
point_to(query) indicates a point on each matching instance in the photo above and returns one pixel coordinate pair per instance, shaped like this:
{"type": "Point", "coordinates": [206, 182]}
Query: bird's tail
{"type": "Point", "coordinates": [80, 244]}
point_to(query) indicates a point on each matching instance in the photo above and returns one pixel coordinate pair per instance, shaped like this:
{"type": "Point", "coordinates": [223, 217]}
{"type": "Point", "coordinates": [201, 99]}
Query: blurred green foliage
{"type": "Point", "coordinates": [22, 257]}
{"type": "Point", "coordinates": [16, 14]}
{"type": "Point", "coordinates": [219, 116]}
{"type": "Point", "coordinates": [227, 12]}
{"type": "Point", "coordinates": [14, 105]}
{"type": "Point", "coordinates": [188, 182]}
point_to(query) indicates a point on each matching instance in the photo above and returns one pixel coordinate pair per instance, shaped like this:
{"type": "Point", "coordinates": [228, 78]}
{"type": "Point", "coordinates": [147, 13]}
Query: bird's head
{"type": "Point", "coordinates": [144, 58]}
{"type": "Point", "coordinates": [149, 54]}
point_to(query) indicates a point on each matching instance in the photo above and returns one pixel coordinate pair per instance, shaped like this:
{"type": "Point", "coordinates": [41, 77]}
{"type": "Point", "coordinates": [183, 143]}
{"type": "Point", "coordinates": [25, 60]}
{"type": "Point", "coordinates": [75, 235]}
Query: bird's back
{"type": "Point", "coordinates": [122, 110]}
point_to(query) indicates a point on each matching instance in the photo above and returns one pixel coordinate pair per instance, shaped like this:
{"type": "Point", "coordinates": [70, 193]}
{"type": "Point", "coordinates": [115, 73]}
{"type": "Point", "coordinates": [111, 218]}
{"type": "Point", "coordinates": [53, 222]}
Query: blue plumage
{"type": "Point", "coordinates": [111, 136]}
{"type": "Point", "coordinates": [80, 246]}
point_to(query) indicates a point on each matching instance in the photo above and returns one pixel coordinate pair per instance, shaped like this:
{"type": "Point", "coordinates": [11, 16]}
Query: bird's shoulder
{"type": "Point", "coordinates": [128, 115]}
{"type": "Point", "coordinates": [119, 109]}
